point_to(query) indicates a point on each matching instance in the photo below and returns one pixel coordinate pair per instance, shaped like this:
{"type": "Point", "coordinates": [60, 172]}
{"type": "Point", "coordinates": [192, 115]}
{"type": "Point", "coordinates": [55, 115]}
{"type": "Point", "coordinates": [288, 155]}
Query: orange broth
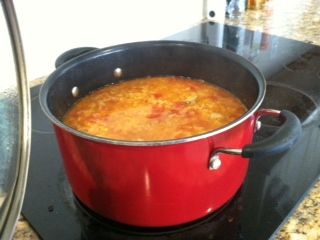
{"type": "Point", "coordinates": [154, 108]}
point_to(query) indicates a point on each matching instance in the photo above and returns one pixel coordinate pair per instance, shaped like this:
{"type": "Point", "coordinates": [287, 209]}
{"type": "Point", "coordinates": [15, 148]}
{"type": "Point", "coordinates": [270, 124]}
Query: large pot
{"type": "Point", "coordinates": [161, 183]}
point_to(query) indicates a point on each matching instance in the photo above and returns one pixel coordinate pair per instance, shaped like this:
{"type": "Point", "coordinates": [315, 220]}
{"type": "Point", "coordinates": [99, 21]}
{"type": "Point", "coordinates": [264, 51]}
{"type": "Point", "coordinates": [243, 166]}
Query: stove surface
{"type": "Point", "coordinates": [273, 185]}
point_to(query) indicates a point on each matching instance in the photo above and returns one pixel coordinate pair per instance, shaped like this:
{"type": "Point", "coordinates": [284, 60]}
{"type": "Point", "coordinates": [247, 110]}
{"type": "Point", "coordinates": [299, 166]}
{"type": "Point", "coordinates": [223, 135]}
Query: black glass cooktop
{"type": "Point", "coordinates": [273, 185]}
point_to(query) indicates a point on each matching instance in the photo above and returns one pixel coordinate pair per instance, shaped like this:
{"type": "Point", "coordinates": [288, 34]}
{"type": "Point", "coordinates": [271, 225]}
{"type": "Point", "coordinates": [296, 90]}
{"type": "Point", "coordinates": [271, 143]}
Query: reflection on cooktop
{"type": "Point", "coordinates": [224, 224]}
{"type": "Point", "coordinates": [280, 96]}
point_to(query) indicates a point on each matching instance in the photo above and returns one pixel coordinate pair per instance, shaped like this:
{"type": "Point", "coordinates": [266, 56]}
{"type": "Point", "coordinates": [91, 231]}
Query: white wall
{"type": "Point", "coordinates": [50, 27]}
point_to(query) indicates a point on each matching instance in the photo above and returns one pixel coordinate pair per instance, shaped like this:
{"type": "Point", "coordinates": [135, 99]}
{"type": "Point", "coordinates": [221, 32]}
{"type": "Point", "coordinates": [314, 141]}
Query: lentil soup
{"type": "Point", "coordinates": [153, 109]}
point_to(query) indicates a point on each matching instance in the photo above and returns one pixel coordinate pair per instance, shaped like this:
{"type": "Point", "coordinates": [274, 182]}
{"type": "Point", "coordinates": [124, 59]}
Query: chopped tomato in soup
{"type": "Point", "coordinates": [154, 108]}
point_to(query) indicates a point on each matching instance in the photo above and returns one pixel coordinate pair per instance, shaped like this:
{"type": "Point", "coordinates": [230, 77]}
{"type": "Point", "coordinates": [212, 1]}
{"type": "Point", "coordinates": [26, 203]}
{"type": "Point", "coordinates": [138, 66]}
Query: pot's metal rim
{"type": "Point", "coordinates": [236, 58]}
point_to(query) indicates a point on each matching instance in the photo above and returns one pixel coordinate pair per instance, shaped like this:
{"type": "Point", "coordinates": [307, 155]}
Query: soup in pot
{"type": "Point", "coordinates": [154, 109]}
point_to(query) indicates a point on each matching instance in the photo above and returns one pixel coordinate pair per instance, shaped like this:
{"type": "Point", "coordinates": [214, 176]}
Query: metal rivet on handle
{"type": "Point", "coordinates": [215, 163]}
{"type": "Point", "coordinates": [117, 72]}
{"type": "Point", "coordinates": [75, 91]}
{"type": "Point", "coordinates": [258, 125]}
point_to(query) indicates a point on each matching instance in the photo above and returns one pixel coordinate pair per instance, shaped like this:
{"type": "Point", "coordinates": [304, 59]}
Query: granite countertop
{"type": "Point", "coordinates": [298, 20]}
{"type": "Point", "coordinates": [304, 222]}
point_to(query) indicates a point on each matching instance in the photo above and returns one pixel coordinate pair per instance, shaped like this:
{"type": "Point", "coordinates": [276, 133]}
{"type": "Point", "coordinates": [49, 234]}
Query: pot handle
{"type": "Point", "coordinates": [72, 53]}
{"type": "Point", "coordinates": [280, 141]}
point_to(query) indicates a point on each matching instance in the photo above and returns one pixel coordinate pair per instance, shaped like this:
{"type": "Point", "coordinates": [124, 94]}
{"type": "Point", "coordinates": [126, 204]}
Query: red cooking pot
{"type": "Point", "coordinates": [160, 183]}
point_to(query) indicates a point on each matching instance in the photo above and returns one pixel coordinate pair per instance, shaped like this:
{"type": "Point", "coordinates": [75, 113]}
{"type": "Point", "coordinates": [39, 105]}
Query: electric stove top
{"type": "Point", "coordinates": [273, 185]}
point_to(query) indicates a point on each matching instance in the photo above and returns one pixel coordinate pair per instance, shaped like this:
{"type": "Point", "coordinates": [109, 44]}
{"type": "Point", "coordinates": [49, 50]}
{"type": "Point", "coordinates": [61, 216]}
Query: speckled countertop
{"type": "Point", "coordinates": [294, 19]}
{"type": "Point", "coordinates": [304, 223]}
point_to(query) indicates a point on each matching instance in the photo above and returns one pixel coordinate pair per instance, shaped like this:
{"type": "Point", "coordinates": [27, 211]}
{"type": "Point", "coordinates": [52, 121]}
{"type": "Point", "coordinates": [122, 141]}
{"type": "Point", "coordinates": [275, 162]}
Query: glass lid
{"type": "Point", "coordinates": [15, 121]}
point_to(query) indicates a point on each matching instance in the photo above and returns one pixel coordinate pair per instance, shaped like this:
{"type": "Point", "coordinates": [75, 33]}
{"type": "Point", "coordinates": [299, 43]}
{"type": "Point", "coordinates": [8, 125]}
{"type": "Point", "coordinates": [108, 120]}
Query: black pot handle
{"type": "Point", "coordinates": [72, 53]}
{"type": "Point", "coordinates": [282, 140]}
